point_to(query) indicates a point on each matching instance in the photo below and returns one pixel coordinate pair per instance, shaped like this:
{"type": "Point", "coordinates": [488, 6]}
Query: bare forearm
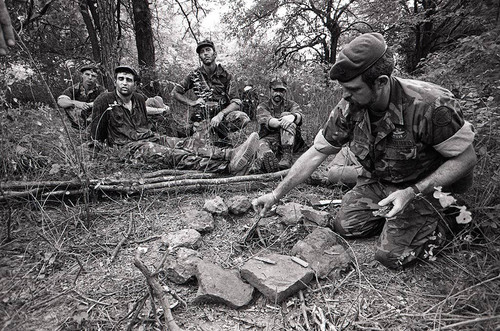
{"type": "Point", "coordinates": [231, 107]}
{"type": "Point", "coordinates": [154, 110]}
{"type": "Point", "coordinates": [450, 171]}
{"type": "Point", "coordinates": [300, 171]}
{"type": "Point", "coordinates": [65, 102]}
{"type": "Point", "coordinates": [183, 99]}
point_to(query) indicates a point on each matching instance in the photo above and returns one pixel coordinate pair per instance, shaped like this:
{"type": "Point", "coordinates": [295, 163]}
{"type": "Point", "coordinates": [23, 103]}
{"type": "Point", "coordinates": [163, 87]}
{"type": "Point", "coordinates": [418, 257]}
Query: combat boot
{"type": "Point", "coordinates": [241, 157]}
{"type": "Point", "coordinates": [286, 159]}
{"type": "Point", "coordinates": [269, 162]}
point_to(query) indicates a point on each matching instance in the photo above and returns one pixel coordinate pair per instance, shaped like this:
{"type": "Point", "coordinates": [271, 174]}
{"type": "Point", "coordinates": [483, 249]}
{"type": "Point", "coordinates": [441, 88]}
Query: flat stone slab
{"type": "Point", "coordinates": [218, 285]}
{"type": "Point", "coordinates": [292, 213]}
{"type": "Point", "coordinates": [277, 278]}
{"type": "Point", "coordinates": [323, 253]}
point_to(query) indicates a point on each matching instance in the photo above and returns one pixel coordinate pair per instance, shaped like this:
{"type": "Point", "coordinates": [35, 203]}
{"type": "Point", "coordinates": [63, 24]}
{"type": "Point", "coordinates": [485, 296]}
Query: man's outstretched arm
{"type": "Point", "coordinates": [300, 171]}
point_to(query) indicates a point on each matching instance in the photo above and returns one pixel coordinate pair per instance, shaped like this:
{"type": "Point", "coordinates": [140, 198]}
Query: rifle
{"type": "Point", "coordinates": [202, 90]}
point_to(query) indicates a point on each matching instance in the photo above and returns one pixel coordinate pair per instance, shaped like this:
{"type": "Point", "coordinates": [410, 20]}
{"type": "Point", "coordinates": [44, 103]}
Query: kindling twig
{"type": "Point", "coordinates": [304, 310]}
{"type": "Point", "coordinates": [251, 231]}
{"type": "Point", "coordinates": [120, 244]}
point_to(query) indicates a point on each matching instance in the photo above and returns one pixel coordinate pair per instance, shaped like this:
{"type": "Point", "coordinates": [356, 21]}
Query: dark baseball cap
{"type": "Point", "coordinates": [128, 69]}
{"type": "Point", "coordinates": [204, 43]}
{"type": "Point", "coordinates": [358, 56]}
{"type": "Point", "coordinates": [92, 67]}
{"type": "Point", "coordinates": [277, 83]}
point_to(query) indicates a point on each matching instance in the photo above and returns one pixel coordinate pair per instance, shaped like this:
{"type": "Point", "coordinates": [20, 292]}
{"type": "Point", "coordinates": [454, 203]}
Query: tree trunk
{"type": "Point", "coordinates": [110, 43]}
{"type": "Point", "coordinates": [145, 46]}
{"type": "Point", "coordinates": [87, 19]}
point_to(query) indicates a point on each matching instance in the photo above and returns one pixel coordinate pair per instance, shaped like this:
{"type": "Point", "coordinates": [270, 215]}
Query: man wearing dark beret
{"type": "Point", "coordinates": [119, 120]}
{"type": "Point", "coordinates": [410, 136]}
{"type": "Point", "coordinates": [217, 99]}
{"type": "Point", "coordinates": [77, 100]}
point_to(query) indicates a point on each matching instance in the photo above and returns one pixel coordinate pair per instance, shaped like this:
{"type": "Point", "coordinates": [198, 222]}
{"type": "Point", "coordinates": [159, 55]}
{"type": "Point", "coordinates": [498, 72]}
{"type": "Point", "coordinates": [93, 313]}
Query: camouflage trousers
{"type": "Point", "coordinates": [276, 141]}
{"type": "Point", "coordinates": [412, 234]}
{"type": "Point", "coordinates": [179, 153]}
{"type": "Point", "coordinates": [233, 121]}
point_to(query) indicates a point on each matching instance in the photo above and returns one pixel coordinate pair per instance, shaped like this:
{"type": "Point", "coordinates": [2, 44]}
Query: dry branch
{"type": "Point", "coordinates": [120, 244]}
{"type": "Point", "coordinates": [251, 230]}
{"type": "Point", "coordinates": [158, 292]}
{"type": "Point", "coordinates": [187, 180]}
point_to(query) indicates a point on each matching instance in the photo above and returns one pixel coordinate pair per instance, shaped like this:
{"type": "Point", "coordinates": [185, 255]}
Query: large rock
{"type": "Point", "coordinates": [323, 253]}
{"type": "Point", "coordinates": [276, 281]}
{"type": "Point", "coordinates": [218, 285]}
{"type": "Point", "coordinates": [189, 238]}
{"type": "Point", "coordinates": [180, 266]}
{"type": "Point", "coordinates": [216, 206]}
{"type": "Point", "coordinates": [311, 216]}
{"type": "Point", "coordinates": [290, 213]}
{"type": "Point", "coordinates": [199, 220]}
{"type": "Point", "coordinates": [239, 204]}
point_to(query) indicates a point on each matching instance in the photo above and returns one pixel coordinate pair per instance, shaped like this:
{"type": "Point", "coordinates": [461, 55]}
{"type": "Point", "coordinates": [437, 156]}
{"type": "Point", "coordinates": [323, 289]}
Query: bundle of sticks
{"type": "Point", "coordinates": [158, 181]}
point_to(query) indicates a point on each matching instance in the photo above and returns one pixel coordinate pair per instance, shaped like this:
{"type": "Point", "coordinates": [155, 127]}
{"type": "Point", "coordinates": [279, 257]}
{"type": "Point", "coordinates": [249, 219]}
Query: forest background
{"type": "Point", "coordinates": [454, 43]}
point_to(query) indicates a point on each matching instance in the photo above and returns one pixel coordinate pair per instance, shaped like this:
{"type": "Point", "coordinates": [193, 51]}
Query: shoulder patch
{"type": "Point", "coordinates": [442, 116]}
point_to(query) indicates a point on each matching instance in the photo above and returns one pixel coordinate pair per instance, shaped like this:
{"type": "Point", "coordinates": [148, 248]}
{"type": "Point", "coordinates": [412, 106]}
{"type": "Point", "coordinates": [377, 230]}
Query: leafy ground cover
{"type": "Point", "coordinates": [57, 274]}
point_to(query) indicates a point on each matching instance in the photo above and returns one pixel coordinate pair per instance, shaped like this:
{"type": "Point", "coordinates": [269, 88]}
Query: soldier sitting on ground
{"type": "Point", "coordinates": [217, 96]}
{"type": "Point", "coordinates": [120, 120]}
{"type": "Point", "coordinates": [77, 100]}
{"type": "Point", "coordinates": [279, 122]}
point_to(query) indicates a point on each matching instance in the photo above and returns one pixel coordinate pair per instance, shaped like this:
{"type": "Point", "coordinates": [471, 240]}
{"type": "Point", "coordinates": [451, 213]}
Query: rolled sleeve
{"type": "Point", "coordinates": [323, 146]}
{"type": "Point", "coordinates": [236, 101]}
{"type": "Point", "coordinates": [63, 96]}
{"type": "Point", "coordinates": [184, 86]}
{"type": "Point", "coordinates": [458, 143]}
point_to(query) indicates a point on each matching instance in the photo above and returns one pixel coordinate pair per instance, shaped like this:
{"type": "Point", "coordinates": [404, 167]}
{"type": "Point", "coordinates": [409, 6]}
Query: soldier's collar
{"type": "Point", "coordinates": [218, 70]}
{"type": "Point", "coordinates": [396, 100]}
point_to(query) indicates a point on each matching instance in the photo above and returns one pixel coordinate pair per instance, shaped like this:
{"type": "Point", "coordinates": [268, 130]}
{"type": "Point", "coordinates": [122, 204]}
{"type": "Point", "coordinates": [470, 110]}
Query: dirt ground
{"type": "Point", "coordinates": [56, 273]}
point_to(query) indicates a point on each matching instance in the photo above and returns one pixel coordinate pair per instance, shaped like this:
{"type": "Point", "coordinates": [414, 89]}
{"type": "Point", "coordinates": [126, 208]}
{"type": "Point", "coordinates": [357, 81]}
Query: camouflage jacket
{"type": "Point", "coordinates": [113, 122]}
{"type": "Point", "coordinates": [218, 87]}
{"type": "Point", "coordinates": [422, 127]}
{"type": "Point", "coordinates": [268, 110]}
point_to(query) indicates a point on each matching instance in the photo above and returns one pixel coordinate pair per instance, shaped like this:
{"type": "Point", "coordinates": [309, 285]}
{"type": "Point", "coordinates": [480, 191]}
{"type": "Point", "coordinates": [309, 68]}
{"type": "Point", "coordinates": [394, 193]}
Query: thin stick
{"type": "Point", "coordinates": [459, 292]}
{"type": "Point", "coordinates": [251, 231]}
{"type": "Point", "coordinates": [120, 244]}
{"type": "Point", "coordinates": [304, 309]}
{"type": "Point", "coordinates": [475, 320]}
{"type": "Point", "coordinates": [137, 310]}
